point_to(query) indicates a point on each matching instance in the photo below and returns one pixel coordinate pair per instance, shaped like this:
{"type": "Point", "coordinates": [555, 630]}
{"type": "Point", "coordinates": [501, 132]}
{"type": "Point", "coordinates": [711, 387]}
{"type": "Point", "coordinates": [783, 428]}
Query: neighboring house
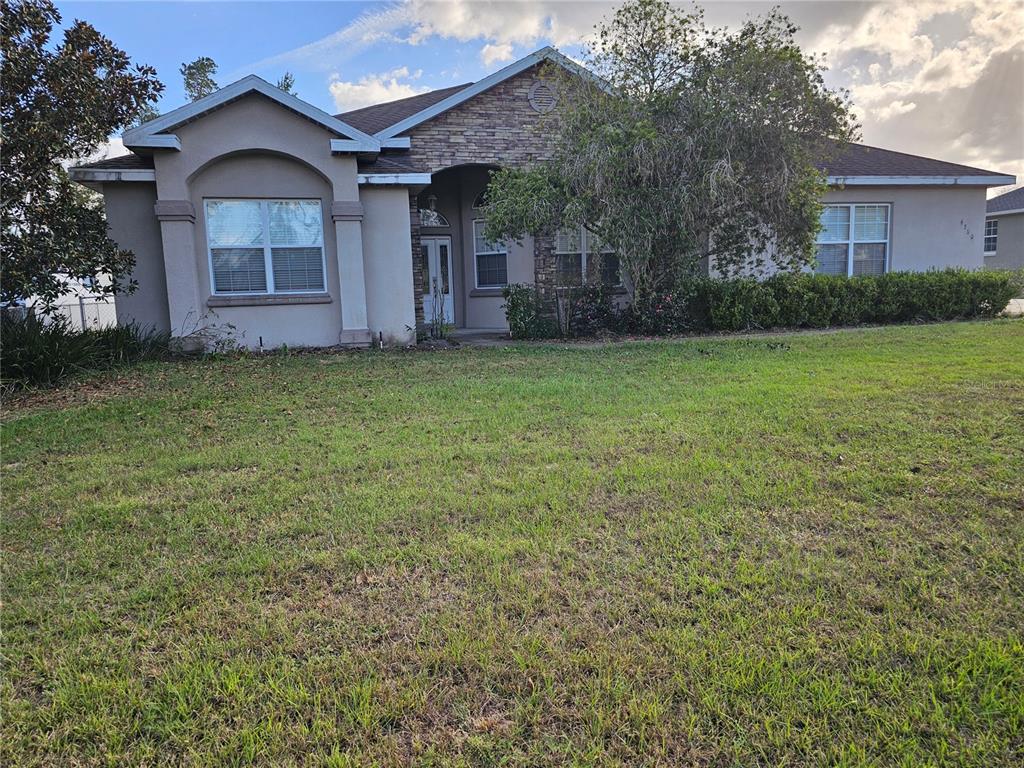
{"type": "Point", "coordinates": [252, 210]}
{"type": "Point", "coordinates": [1004, 231]}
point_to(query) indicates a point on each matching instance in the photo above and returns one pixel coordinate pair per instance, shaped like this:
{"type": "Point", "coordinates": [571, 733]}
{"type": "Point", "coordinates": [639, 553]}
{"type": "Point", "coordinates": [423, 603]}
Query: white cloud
{"type": "Point", "coordinates": [914, 69]}
{"type": "Point", "coordinates": [492, 53]}
{"type": "Point", "coordinates": [887, 29]}
{"type": "Point", "coordinates": [893, 109]}
{"type": "Point", "coordinates": [933, 78]}
{"type": "Point", "coordinates": [328, 52]}
{"type": "Point", "coordinates": [500, 25]}
{"type": "Point", "coordinates": [374, 89]}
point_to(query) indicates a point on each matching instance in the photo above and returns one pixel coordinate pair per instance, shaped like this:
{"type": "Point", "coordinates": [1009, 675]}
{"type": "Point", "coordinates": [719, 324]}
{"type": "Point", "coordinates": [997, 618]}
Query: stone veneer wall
{"type": "Point", "coordinates": [497, 127]}
{"type": "Point", "coordinates": [417, 259]}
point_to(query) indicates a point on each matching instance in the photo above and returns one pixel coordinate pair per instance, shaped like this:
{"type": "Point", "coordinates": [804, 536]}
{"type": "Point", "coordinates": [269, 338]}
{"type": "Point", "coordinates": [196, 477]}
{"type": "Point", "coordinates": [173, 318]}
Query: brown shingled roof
{"type": "Point", "coordinates": [862, 160]}
{"type": "Point", "coordinates": [377, 117]}
{"type": "Point", "coordinates": [121, 162]}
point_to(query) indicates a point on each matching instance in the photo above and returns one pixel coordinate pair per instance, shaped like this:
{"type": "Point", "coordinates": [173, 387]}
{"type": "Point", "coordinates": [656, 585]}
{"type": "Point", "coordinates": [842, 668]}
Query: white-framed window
{"type": "Point", "coordinates": [490, 259]}
{"type": "Point", "coordinates": [265, 246]}
{"type": "Point", "coordinates": [854, 239]}
{"type": "Point", "coordinates": [991, 235]}
{"type": "Point", "coordinates": [574, 249]}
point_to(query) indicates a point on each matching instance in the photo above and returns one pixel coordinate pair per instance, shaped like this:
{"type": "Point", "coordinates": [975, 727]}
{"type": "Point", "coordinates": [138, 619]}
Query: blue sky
{"type": "Point", "coordinates": [248, 37]}
{"type": "Point", "coordinates": [940, 78]}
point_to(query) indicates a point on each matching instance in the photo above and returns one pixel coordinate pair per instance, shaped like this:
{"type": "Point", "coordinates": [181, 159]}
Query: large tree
{"type": "Point", "coordinates": [59, 103]}
{"type": "Point", "coordinates": [693, 144]}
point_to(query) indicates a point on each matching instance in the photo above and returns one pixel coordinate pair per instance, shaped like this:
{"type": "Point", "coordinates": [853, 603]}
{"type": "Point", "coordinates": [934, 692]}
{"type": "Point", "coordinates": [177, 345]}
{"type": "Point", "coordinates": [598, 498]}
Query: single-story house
{"type": "Point", "coordinates": [1004, 230]}
{"type": "Point", "coordinates": [256, 215]}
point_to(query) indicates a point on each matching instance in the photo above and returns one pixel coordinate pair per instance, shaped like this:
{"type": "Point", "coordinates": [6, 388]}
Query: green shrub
{"type": "Point", "coordinates": [787, 301]}
{"type": "Point", "coordinates": [742, 304]}
{"type": "Point", "coordinates": [527, 316]}
{"type": "Point", "coordinates": [43, 353]}
{"type": "Point", "coordinates": [586, 310]}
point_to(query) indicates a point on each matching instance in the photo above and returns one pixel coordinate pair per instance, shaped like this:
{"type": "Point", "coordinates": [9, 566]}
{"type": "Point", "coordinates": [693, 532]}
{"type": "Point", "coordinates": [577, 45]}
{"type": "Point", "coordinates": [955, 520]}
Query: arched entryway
{"type": "Point", "coordinates": [456, 269]}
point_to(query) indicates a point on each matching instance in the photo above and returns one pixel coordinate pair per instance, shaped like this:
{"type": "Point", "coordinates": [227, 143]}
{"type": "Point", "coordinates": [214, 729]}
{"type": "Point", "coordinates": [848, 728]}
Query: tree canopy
{"type": "Point", "coordinates": [198, 77]}
{"type": "Point", "coordinates": [287, 83]}
{"type": "Point", "coordinates": [59, 103]}
{"type": "Point", "coordinates": [693, 145]}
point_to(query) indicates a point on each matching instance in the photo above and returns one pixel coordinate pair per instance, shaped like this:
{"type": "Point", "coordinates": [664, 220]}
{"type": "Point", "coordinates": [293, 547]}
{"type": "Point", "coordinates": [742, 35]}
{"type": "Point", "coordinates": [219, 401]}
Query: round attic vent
{"type": "Point", "coordinates": [543, 96]}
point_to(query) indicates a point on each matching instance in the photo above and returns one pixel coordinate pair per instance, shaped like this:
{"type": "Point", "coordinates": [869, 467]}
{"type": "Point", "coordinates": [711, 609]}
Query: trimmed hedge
{"type": "Point", "coordinates": [781, 301]}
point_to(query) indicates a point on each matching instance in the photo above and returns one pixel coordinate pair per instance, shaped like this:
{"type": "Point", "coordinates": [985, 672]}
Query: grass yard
{"type": "Point", "coordinates": [792, 550]}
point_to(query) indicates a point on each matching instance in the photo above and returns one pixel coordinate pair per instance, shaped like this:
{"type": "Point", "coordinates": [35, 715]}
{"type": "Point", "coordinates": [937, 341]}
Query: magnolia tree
{"type": "Point", "coordinates": [59, 102]}
{"type": "Point", "coordinates": [692, 145]}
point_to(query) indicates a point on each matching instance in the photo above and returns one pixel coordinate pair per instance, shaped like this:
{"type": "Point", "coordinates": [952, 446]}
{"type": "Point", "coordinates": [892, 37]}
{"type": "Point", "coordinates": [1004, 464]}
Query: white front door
{"type": "Point", "coordinates": [438, 306]}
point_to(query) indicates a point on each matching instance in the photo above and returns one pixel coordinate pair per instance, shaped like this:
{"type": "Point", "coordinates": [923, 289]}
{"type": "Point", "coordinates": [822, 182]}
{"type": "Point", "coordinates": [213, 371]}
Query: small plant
{"type": "Point", "coordinates": [440, 323]}
{"type": "Point", "coordinates": [528, 318]}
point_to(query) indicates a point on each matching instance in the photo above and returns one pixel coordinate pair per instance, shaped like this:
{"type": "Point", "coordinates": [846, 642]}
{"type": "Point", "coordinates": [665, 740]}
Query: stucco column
{"type": "Point", "coordinates": [177, 230]}
{"type": "Point", "coordinates": [348, 229]}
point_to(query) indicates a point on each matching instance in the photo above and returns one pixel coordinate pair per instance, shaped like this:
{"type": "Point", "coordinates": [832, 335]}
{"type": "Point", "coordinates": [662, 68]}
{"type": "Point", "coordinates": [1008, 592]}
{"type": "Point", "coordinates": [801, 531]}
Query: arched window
{"type": "Point", "coordinates": [431, 218]}
{"type": "Point", "coordinates": [481, 199]}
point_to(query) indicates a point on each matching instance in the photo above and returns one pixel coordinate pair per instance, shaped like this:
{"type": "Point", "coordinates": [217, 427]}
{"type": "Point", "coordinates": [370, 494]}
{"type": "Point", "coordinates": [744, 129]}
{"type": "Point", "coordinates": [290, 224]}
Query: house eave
{"type": "Point", "coordinates": [404, 179]}
{"type": "Point", "coordinates": [921, 181]}
{"type": "Point", "coordinates": [1008, 212]}
{"type": "Point", "coordinates": [94, 176]}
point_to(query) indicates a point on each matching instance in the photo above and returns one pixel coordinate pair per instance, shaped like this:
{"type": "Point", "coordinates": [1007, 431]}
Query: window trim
{"type": "Point", "coordinates": [476, 263]}
{"type": "Point", "coordinates": [994, 237]}
{"type": "Point", "coordinates": [852, 240]}
{"type": "Point", "coordinates": [584, 253]}
{"type": "Point", "coordinates": [268, 264]}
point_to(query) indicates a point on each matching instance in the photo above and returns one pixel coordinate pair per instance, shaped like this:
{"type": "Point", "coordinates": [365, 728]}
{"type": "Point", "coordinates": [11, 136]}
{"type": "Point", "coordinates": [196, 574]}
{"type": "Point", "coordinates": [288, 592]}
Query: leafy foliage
{"type": "Point", "coordinates": [697, 144]}
{"type": "Point", "coordinates": [58, 103]}
{"type": "Point", "coordinates": [528, 317]}
{"type": "Point", "coordinates": [781, 301]}
{"type": "Point", "coordinates": [42, 353]}
{"type": "Point", "coordinates": [198, 77]}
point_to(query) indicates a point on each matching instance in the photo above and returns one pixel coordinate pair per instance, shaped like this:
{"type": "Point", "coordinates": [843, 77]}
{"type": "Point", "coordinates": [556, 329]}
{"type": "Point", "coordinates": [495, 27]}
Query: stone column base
{"type": "Point", "coordinates": [355, 337]}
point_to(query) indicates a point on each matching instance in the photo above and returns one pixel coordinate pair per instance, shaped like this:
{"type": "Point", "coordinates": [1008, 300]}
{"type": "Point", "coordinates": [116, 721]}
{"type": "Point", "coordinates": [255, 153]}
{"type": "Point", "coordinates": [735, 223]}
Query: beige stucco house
{"type": "Point", "coordinates": [1004, 231]}
{"type": "Point", "coordinates": [256, 216]}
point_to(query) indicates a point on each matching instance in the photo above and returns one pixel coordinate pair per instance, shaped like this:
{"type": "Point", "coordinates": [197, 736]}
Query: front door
{"type": "Point", "coordinates": [438, 307]}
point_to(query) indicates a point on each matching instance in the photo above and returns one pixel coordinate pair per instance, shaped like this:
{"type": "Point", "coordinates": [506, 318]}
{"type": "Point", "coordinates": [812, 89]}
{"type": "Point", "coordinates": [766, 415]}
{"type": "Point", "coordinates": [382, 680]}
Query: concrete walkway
{"type": "Point", "coordinates": [481, 337]}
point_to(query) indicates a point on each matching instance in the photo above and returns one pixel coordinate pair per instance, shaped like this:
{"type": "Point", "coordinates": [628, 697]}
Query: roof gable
{"type": "Point", "coordinates": [156, 132]}
{"type": "Point", "coordinates": [474, 89]}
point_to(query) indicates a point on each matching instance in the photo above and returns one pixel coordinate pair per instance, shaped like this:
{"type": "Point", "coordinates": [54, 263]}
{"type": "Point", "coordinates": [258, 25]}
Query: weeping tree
{"type": "Point", "coordinates": [692, 145]}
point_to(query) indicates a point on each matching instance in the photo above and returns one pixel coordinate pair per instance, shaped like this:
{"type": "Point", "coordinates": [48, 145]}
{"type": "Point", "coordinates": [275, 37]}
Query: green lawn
{"type": "Point", "coordinates": [792, 550]}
